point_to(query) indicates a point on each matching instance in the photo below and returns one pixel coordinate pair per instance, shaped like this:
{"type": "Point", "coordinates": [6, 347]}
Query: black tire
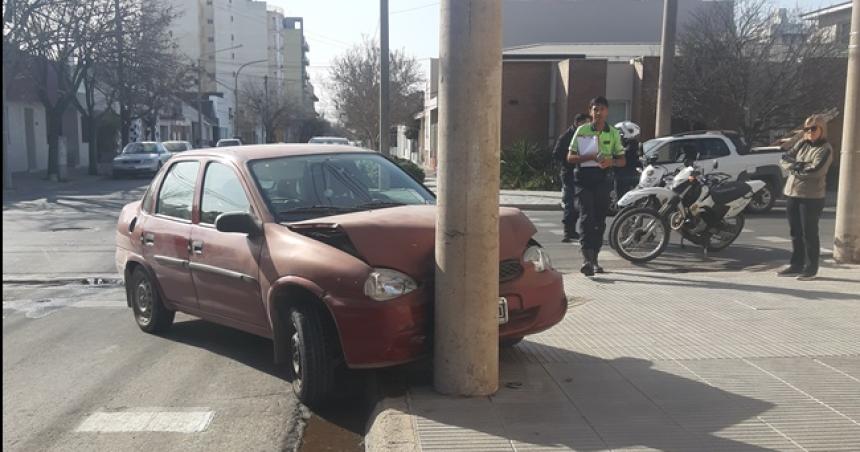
{"type": "Point", "coordinates": [149, 312]}
{"type": "Point", "coordinates": [763, 200]}
{"type": "Point", "coordinates": [509, 342]}
{"type": "Point", "coordinates": [623, 216]}
{"type": "Point", "coordinates": [313, 352]}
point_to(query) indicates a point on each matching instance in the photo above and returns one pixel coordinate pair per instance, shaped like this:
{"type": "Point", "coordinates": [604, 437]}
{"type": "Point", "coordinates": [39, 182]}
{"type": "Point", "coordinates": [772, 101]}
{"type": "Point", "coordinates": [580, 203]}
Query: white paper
{"type": "Point", "coordinates": [587, 148]}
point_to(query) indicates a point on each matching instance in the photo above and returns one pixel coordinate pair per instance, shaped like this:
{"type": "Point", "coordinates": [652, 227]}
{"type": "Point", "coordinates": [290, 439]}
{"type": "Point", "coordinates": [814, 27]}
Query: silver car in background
{"type": "Point", "coordinates": [143, 157]}
{"type": "Point", "coordinates": [177, 146]}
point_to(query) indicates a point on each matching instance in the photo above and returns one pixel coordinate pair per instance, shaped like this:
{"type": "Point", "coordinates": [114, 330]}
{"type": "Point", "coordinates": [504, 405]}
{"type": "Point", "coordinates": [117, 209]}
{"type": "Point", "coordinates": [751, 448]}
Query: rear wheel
{"type": "Point", "coordinates": [639, 234]}
{"type": "Point", "coordinates": [312, 362]}
{"type": "Point", "coordinates": [149, 312]}
{"type": "Point", "coordinates": [763, 200]}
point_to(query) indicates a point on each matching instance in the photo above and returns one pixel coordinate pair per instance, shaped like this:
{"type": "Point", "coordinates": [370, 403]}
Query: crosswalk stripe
{"type": "Point", "coordinates": [772, 239]}
{"type": "Point", "coordinates": [147, 421]}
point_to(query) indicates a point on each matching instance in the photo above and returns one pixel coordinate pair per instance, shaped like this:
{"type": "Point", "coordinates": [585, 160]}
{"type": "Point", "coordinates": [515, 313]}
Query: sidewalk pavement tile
{"type": "Point", "coordinates": [660, 361]}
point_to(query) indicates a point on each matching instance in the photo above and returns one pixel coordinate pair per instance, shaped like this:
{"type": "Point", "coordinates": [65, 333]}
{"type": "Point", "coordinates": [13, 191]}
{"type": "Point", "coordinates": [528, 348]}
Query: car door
{"type": "Point", "coordinates": [713, 153]}
{"type": "Point", "coordinates": [224, 265]}
{"type": "Point", "coordinates": [165, 234]}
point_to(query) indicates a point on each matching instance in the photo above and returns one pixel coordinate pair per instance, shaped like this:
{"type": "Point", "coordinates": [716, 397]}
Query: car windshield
{"type": "Point", "coordinates": [176, 146]}
{"type": "Point", "coordinates": [141, 148]}
{"type": "Point", "coordinates": [312, 186]}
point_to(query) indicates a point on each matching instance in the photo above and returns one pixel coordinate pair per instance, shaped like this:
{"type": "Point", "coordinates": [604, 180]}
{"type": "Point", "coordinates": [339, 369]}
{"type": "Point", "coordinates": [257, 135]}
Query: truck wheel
{"type": "Point", "coordinates": [312, 361]}
{"type": "Point", "coordinates": [763, 200]}
{"type": "Point", "coordinates": [149, 312]}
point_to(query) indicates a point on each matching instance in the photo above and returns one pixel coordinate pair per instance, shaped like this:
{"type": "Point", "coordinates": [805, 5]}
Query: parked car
{"type": "Point", "coordinates": [724, 152]}
{"type": "Point", "coordinates": [329, 140]}
{"type": "Point", "coordinates": [145, 157]}
{"type": "Point", "coordinates": [326, 250]}
{"type": "Point", "coordinates": [177, 146]}
{"type": "Point", "coordinates": [227, 142]}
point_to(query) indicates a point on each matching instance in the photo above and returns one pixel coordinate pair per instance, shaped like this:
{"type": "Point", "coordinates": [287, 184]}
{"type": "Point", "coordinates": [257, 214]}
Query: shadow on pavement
{"type": "Point", "coordinates": [339, 426]}
{"type": "Point", "coordinates": [553, 397]}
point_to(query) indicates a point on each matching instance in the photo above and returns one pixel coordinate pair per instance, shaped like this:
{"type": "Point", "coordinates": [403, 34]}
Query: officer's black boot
{"type": "Point", "coordinates": [597, 267]}
{"type": "Point", "coordinates": [587, 268]}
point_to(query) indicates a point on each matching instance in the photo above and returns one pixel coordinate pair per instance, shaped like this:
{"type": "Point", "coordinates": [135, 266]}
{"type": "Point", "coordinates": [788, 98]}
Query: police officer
{"type": "Point", "coordinates": [571, 216]}
{"type": "Point", "coordinates": [594, 149]}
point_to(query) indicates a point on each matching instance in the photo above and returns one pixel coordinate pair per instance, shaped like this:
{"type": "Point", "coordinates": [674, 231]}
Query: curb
{"type": "Point", "coordinates": [390, 427]}
{"type": "Point", "coordinates": [103, 279]}
{"type": "Point", "coordinates": [554, 206]}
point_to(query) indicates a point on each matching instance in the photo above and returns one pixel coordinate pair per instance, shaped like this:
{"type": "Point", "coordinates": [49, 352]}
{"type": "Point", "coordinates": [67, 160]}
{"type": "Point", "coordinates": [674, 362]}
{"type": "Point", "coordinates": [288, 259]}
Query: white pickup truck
{"type": "Point", "coordinates": [725, 152]}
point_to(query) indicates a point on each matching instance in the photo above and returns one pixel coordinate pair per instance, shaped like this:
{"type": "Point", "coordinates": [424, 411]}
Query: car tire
{"type": "Point", "coordinates": [763, 200]}
{"type": "Point", "coordinates": [509, 342]}
{"type": "Point", "coordinates": [149, 312]}
{"type": "Point", "coordinates": [312, 363]}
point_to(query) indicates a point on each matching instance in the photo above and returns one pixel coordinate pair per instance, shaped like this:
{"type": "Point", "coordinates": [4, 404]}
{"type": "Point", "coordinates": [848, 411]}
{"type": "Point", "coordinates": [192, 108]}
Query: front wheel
{"type": "Point", "coordinates": [639, 234]}
{"type": "Point", "coordinates": [312, 362]}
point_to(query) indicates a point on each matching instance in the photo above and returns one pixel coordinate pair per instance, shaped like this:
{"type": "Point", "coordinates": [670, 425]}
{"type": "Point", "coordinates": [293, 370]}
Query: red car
{"type": "Point", "coordinates": [325, 249]}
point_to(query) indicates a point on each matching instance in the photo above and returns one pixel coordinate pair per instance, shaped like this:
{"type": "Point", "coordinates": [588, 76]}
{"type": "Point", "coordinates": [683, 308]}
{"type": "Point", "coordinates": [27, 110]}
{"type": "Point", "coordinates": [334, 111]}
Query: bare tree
{"type": "Point", "coordinates": [272, 109]}
{"type": "Point", "coordinates": [354, 83]}
{"type": "Point", "coordinates": [57, 37]}
{"type": "Point", "coordinates": [752, 68]}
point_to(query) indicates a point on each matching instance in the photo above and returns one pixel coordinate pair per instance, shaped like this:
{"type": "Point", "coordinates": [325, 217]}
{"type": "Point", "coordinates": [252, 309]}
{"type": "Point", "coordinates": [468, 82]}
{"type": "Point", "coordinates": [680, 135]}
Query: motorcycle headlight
{"type": "Point", "coordinates": [385, 284]}
{"type": "Point", "coordinates": [538, 257]}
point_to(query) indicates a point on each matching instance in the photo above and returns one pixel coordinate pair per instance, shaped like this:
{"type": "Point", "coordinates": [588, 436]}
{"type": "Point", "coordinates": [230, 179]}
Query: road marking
{"type": "Point", "coordinates": [748, 230]}
{"type": "Point", "coordinates": [556, 231]}
{"type": "Point", "coordinates": [147, 421]}
{"type": "Point", "coordinates": [826, 251]}
{"type": "Point", "coordinates": [772, 239]}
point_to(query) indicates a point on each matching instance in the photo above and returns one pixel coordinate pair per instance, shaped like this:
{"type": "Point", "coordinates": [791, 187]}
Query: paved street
{"type": "Point", "coordinates": [79, 375]}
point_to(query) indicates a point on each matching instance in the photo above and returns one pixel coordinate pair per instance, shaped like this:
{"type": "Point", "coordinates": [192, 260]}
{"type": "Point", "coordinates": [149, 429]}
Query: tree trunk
{"type": "Point", "coordinates": [54, 124]}
{"type": "Point", "coordinates": [7, 169]}
{"type": "Point", "coordinates": [94, 141]}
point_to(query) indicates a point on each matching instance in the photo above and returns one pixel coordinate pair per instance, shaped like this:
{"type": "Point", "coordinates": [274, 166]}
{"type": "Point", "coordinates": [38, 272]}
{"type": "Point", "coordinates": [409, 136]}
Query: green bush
{"type": "Point", "coordinates": [528, 166]}
{"type": "Point", "coordinates": [407, 165]}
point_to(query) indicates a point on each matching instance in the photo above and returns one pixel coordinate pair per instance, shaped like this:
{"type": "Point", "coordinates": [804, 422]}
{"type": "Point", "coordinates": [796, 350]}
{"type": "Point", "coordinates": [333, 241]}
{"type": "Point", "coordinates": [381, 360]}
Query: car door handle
{"type": "Point", "coordinates": [197, 247]}
{"type": "Point", "coordinates": [147, 238]}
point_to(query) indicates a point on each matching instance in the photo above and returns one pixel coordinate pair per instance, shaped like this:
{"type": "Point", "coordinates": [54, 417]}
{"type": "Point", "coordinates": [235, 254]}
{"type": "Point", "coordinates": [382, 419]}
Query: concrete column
{"type": "Point", "coordinates": [667, 56]}
{"type": "Point", "coordinates": [466, 359]}
{"type": "Point", "coordinates": [846, 246]}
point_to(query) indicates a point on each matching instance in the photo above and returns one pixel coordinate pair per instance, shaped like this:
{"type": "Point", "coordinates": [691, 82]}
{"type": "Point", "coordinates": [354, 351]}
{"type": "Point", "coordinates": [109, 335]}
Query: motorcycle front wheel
{"type": "Point", "coordinates": [639, 234]}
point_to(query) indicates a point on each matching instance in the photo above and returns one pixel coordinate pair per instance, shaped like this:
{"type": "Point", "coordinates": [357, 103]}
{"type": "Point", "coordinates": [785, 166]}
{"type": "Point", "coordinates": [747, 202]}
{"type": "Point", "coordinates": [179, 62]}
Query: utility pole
{"type": "Point", "coordinates": [200, 72]}
{"type": "Point", "coordinates": [384, 127]}
{"type": "Point", "coordinates": [667, 55]}
{"type": "Point", "coordinates": [124, 119]}
{"type": "Point", "coordinates": [846, 246]}
{"type": "Point", "coordinates": [266, 109]}
{"type": "Point", "coordinates": [236, 95]}
{"type": "Point", "coordinates": [466, 339]}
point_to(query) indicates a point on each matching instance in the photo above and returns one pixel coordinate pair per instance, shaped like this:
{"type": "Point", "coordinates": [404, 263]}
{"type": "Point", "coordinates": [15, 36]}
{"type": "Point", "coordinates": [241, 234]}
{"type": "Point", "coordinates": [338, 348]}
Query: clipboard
{"type": "Point", "coordinates": [588, 147]}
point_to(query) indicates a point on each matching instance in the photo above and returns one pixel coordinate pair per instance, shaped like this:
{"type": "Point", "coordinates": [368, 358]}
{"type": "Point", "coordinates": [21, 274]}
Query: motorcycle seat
{"type": "Point", "coordinates": [729, 191]}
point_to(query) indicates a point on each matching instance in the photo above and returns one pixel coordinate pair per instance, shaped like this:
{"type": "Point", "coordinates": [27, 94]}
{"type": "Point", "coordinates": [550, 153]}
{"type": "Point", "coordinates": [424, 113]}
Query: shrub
{"type": "Point", "coordinates": [407, 165]}
{"type": "Point", "coordinates": [528, 166]}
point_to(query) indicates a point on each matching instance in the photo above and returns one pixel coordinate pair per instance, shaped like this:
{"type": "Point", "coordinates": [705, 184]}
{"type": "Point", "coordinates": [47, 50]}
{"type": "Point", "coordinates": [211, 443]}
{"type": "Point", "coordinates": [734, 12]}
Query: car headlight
{"type": "Point", "coordinates": [538, 257]}
{"type": "Point", "coordinates": [385, 284]}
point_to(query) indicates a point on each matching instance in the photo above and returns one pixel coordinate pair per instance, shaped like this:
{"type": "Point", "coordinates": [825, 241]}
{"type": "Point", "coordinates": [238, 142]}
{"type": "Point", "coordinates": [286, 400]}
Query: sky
{"type": "Point", "coordinates": [333, 26]}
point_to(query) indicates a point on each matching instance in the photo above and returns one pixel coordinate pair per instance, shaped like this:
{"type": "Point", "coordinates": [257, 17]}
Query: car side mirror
{"type": "Point", "coordinates": [240, 222]}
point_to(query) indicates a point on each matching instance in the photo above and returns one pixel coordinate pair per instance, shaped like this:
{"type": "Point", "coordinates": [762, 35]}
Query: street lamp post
{"type": "Point", "coordinates": [236, 95]}
{"type": "Point", "coordinates": [200, 71]}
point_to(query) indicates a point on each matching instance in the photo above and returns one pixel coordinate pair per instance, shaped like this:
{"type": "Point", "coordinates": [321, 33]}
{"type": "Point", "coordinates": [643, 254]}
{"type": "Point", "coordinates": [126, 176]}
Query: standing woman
{"type": "Point", "coordinates": [807, 164]}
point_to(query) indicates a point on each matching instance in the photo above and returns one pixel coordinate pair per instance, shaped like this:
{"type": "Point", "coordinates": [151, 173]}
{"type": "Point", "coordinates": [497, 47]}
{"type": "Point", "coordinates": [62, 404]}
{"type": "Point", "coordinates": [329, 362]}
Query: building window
{"type": "Point", "coordinates": [231, 18]}
{"type": "Point", "coordinates": [210, 21]}
{"type": "Point", "coordinates": [211, 39]}
{"type": "Point", "coordinates": [232, 37]}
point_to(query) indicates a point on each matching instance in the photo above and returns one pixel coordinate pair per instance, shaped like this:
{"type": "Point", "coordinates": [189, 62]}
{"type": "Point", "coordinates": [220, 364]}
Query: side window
{"type": "Point", "coordinates": [713, 148]}
{"type": "Point", "coordinates": [177, 191]}
{"type": "Point", "coordinates": [222, 192]}
{"type": "Point", "coordinates": [673, 151]}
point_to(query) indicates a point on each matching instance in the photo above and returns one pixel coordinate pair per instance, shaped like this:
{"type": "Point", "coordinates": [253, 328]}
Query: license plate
{"type": "Point", "coordinates": [503, 310]}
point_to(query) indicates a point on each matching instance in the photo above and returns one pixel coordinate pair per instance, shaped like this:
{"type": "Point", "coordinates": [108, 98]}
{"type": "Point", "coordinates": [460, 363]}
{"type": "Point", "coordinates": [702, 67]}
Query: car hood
{"type": "Point", "coordinates": [404, 238]}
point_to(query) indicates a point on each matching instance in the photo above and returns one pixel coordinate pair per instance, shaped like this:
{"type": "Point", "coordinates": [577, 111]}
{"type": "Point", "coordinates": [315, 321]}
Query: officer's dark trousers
{"type": "Point", "coordinates": [571, 215]}
{"type": "Point", "coordinates": [592, 197]}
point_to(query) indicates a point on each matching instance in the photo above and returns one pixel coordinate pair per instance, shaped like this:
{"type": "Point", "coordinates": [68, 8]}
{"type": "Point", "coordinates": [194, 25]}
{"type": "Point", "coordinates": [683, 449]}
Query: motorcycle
{"type": "Point", "coordinates": [653, 175]}
{"type": "Point", "coordinates": [705, 209]}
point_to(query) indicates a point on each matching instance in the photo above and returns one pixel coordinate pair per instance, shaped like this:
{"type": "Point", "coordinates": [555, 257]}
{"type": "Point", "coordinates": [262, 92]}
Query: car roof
{"type": "Point", "coordinates": [329, 138]}
{"type": "Point", "coordinates": [266, 151]}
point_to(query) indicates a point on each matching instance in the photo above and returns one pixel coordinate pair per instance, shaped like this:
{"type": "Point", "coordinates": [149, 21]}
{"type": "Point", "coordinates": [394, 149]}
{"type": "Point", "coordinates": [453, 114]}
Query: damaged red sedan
{"type": "Point", "coordinates": [326, 250]}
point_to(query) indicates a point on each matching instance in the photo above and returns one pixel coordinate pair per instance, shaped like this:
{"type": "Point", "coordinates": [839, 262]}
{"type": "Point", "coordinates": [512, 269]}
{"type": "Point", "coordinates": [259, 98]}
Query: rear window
{"type": "Point", "coordinates": [141, 148]}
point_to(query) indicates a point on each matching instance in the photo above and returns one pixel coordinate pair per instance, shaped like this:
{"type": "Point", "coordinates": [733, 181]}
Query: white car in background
{"type": "Point", "coordinates": [329, 140]}
{"type": "Point", "coordinates": [177, 146]}
{"type": "Point", "coordinates": [227, 142]}
{"type": "Point", "coordinates": [143, 157]}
